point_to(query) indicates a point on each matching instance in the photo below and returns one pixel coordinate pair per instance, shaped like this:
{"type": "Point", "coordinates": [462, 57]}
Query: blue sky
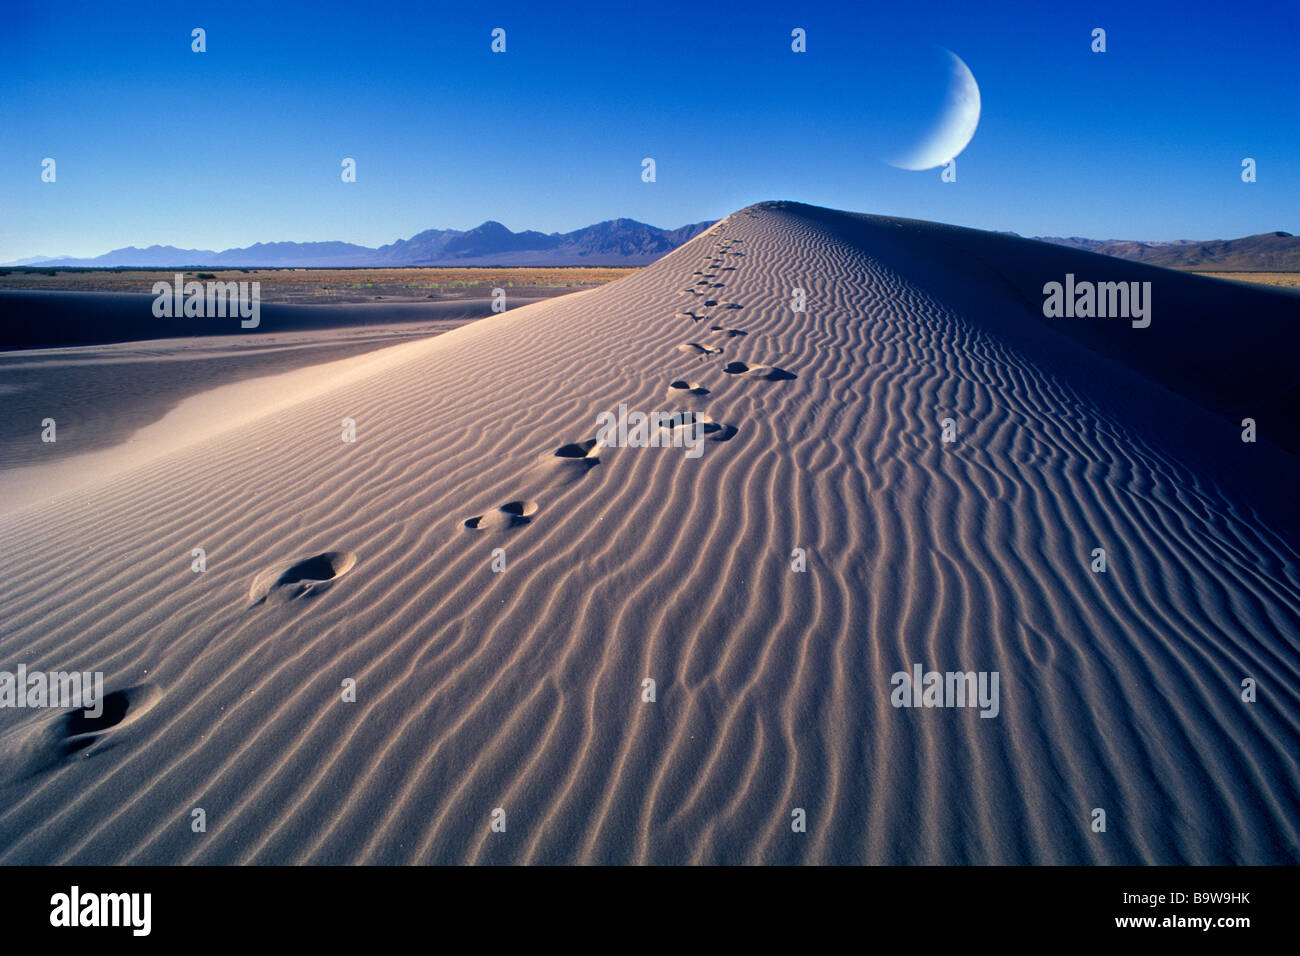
{"type": "Point", "coordinates": [156, 144]}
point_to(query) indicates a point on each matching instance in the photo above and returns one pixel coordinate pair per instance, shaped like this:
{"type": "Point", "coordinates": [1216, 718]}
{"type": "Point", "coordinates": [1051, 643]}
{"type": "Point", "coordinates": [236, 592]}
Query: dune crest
{"type": "Point", "coordinates": [510, 587]}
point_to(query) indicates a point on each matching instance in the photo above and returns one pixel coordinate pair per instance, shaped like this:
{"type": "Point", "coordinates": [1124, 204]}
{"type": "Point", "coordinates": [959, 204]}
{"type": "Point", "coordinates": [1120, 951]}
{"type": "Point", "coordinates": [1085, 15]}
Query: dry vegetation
{"type": "Point", "coordinates": [401, 284]}
{"type": "Point", "coordinates": [330, 285]}
{"type": "Point", "coordinates": [1289, 280]}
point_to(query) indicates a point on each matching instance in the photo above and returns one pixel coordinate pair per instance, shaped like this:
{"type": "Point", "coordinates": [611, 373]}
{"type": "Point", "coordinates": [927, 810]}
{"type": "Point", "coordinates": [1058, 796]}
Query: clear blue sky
{"type": "Point", "coordinates": [156, 144]}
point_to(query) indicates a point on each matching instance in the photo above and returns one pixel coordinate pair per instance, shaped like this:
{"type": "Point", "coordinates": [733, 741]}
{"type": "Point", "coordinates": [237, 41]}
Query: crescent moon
{"type": "Point", "coordinates": [955, 125]}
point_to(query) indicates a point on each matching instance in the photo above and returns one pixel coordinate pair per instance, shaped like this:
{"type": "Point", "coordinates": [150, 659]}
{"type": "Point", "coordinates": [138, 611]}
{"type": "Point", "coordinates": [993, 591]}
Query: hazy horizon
{"type": "Point", "coordinates": [145, 246]}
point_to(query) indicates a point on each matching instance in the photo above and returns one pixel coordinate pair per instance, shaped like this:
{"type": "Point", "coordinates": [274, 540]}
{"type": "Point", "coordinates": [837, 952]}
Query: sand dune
{"type": "Point", "coordinates": [522, 689]}
{"type": "Point", "coordinates": [103, 395]}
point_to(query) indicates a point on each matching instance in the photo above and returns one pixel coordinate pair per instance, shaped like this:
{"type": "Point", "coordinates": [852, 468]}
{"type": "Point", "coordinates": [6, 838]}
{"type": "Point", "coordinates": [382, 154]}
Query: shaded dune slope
{"type": "Point", "coordinates": [47, 319]}
{"type": "Point", "coordinates": [522, 690]}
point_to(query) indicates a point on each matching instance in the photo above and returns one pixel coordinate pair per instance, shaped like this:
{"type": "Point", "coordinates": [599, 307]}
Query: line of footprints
{"type": "Point", "coordinates": [570, 462]}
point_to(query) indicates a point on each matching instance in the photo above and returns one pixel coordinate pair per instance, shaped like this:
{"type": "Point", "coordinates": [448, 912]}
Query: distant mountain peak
{"type": "Point", "coordinates": [613, 242]}
{"type": "Point", "coordinates": [623, 241]}
{"type": "Point", "coordinates": [1266, 252]}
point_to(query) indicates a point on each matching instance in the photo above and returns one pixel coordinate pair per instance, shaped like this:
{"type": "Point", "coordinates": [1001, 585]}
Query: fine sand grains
{"type": "Point", "coordinates": [460, 609]}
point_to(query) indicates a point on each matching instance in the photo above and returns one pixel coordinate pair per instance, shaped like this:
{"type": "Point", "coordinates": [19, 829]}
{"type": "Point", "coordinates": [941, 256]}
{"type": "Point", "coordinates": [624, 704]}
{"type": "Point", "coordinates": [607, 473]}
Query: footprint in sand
{"type": "Point", "coordinates": [512, 514]}
{"type": "Point", "coordinates": [688, 315]}
{"type": "Point", "coordinates": [79, 730]}
{"type": "Point", "coordinates": [41, 745]}
{"type": "Point", "coordinates": [682, 387]}
{"type": "Point", "coordinates": [712, 431]}
{"type": "Point", "coordinates": [570, 462]}
{"type": "Point", "coordinates": [730, 333]}
{"type": "Point", "coordinates": [583, 451]}
{"type": "Point", "coordinates": [695, 348]}
{"type": "Point", "coordinates": [306, 578]}
{"type": "Point", "coordinates": [710, 302]}
{"type": "Point", "coordinates": [768, 373]}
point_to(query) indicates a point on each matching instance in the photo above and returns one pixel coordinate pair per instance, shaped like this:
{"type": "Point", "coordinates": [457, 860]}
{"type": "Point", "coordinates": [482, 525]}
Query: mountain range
{"type": "Point", "coordinates": [626, 242]}
{"type": "Point", "coordinates": [617, 242]}
{"type": "Point", "coordinates": [1266, 252]}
